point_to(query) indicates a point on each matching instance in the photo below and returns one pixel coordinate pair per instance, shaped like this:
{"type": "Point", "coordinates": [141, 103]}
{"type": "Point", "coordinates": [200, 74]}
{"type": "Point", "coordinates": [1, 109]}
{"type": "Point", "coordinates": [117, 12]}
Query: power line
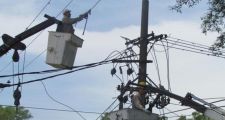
{"type": "Point", "coordinates": [65, 7]}
{"type": "Point", "coordinates": [194, 51]}
{"type": "Point", "coordinates": [199, 48]}
{"type": "Point", "coordinates": [96, 4]}
{"type": "Point", "coordinates": [168, 64]}
{"type": "Point", "coordinates": [185, 41]}
{"type": "Point", "coordinates": [48, 3]}
{"type": "Point", "coordinates": [53, 99]}
{"type": "Point", "coordinates": [172, 112]}
{"type": "Point", "coordinates": [31, 81]}
{"type": "Point", "coordinates": [53, 109]}
{"type": "Point", "coordinates": [106, 109]}
{"type": "Point", "coordinates": [191, 108]}
{"type": "Point", "coordinates": [75, 67]}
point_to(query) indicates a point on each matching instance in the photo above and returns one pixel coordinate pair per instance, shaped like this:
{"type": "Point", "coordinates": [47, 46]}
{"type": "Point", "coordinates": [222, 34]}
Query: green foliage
{"type": "Point", "coordinates": [9, 113]}
{"type": "Point", "coordinates": [195, 116]}
{"type": "Point", "coordinates": [105, 117]}
{"type": "Point", "coordinates": [212, 21]}
{"type": "Point", "coordinates": [163, 118]}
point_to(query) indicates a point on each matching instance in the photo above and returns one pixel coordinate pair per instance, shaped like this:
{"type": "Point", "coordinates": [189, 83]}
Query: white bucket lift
{"type": "Point", "coordinates": [131, 114]}
{"type": "Point", "coordinates": [62, 48]}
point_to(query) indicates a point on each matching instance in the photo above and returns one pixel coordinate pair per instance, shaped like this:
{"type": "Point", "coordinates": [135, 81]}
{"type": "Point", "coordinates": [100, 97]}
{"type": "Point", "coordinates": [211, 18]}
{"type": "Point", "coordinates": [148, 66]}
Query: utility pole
{"type": "Point", "coordinates": [143, 42]}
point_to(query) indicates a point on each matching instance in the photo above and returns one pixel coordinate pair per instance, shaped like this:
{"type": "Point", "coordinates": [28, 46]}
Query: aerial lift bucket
{"type": "Point", "coordinates": [62, 49]}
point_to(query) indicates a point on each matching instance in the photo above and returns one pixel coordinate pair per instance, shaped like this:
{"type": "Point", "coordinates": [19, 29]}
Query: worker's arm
{"type": "Point", "coordinates": [77, 19]}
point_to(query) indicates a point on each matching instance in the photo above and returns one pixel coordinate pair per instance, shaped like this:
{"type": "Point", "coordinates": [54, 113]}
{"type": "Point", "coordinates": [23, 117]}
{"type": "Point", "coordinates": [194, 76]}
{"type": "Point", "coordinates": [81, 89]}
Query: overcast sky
{"type": "Point", "coordinates": [93, 90]}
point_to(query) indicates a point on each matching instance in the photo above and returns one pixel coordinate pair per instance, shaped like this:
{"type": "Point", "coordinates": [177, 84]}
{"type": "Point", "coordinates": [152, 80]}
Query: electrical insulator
{"type": "Point", "coordinates": [17, 96]}
{"type": "Point", "coordinates": [113, 71]}
{"type": "Point", "coordinates": [129, 71]}
{"type": "Point", "coordinates": [16, 56]}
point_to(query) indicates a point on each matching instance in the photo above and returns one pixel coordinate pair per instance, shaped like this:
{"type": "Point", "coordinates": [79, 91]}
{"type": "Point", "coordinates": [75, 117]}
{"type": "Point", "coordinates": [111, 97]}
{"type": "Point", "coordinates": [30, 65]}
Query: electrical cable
{"type": "Point", "coordinates": [214, 98]}
{"type": "Point", "coordinates": [40, 79]}
{"type": "Point", "coordinates": [48, 3]}
{"type": "Point", "coordinates": [206, 50]}
{"type": "Point", "coordinates": [218, 101]}
{"type": "Point", "coordinates": [60, 69]}
{"type": "Point", "coordinates": [157, 65]}
{"type": "Point", "coordinates": [188, 50]}
{"type": "Point", "coordinates": [53, 109]}
{"type": "Point", "coordinates": [13, 76]}
{"type": "Point", "coordinates": [189, 44]}
{"type": "Point", "coordinates": [35, 58]}
{"type": "Point", "coordinates": [195, 44]}
{"type": "Point", "coordinates": [53, 99]}
{"type": "Point", "coordinates": [168, 65]}
{"type": "Point", "coordinates": [95, 4]}
{"type": "Point", "coordinates": [191, 108]}
{"type": "Point", "coordinates": [106, 109]}
{"type": "Point", "coordinates": [178, 110]}
{"type": "Point", "coordinates": [171, 111]}
{"type": "Point", "coordinates": [119, 78]}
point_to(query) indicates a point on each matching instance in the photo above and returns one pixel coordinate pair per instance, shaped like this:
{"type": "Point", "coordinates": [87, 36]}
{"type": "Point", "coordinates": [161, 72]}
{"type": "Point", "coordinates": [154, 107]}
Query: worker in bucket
{"type": "Point", "coordinates": [67, 21]}
{"type": "Point", "coordinates": [138, 98]}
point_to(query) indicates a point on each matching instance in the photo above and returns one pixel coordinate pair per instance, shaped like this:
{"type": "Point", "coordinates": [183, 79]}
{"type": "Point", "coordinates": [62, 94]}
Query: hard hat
{"type": "Point", "coordinates": [66, 11]}
{"type": "Point", "coordinates": [142, 83]}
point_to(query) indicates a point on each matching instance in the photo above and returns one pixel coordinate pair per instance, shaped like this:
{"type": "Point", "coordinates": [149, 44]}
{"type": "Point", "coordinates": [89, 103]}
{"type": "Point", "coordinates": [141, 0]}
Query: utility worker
{"type": "Point", "coordinates": [138, 98]}
{"type": "Point", "coordinates": [67, 21]}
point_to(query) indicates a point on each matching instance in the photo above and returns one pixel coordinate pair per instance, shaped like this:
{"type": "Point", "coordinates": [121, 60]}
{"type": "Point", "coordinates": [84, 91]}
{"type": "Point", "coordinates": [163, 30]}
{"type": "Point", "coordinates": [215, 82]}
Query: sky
{"type": "Point", "coordinates": [93, 90]}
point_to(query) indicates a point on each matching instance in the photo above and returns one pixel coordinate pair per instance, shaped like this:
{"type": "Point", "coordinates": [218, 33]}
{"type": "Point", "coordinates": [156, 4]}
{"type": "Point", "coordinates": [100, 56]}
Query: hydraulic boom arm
{"type": "Point", "coordinates": [15, 43]}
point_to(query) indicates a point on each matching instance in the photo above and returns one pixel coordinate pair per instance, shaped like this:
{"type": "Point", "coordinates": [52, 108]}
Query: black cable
{"type": "Point", "coordinates": [168, 65]}
{"type": "Point", "coordinates": [171, 111]}
{"type": "Point", "coordinates": [218, 101]}
{"type": "Point", "coordinates": [214, 98]}
{"type": "Point", "coordinates": [64, 7]}
{"type": "Point", "coordinates": [183, 49]}
{"type": "Point", "coordinates": [48, 3]}
{"type": "Point", "coordinates": [53, 99]}
{"type": "Point", "coordinates": [206, 50]}
{"type": "Point", "coordinates": [189, 47]}
{"type": "Point", "coordinates": [157, 65]}
{"type": "Point", "coordinates": [178, 110]}
{"type": "Point", "coordinates": [191, 108]}
{"type": "Point", "coordinates": [95, 4]}
{"type": "Point", "coordinates": [195, 44]}
{"type": "Point", "coordinates": [31, 81]}
{"type": "Point", "coordinates": [56, 70]}
{"type": "Point", "coordinates": [37, 80]}
{"type": "Point", "coordinates": [53, 109]}
{"type": "Point", "coordinates": [189, 44]}
{"type": "Point", "coordinates": [106, 109]}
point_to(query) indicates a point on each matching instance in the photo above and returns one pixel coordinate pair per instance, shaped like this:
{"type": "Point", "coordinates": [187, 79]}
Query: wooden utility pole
{"type": "Point", "coordinates": [143, 42]}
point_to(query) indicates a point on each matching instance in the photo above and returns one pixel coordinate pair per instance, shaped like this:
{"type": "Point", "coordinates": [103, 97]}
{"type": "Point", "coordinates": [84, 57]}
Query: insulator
{"type": "Point", "coordinates": [129, 71]}
{"type": "Point", "coordinates": [113, 71]}
{"type": "Point", "coordinates": [125, 99]}
{"type": "Point", "coordinates": [17, 96]}
{"type": "Point", "coordinates": [16, 56]}
{"type": "Point", "coordinates": [121, 71]}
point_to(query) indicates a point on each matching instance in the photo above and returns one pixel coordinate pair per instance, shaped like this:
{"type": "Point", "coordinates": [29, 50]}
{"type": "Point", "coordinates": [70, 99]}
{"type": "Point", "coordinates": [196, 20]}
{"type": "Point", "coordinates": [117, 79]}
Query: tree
{"type": "Point", "coordinates": [9, 113]}
{"type": "Point", "coordinates": [105, 117]}
{"type": "Point", "coordinates": [212, 21]}
{"type": "Point", "coordinates": [195, 116]}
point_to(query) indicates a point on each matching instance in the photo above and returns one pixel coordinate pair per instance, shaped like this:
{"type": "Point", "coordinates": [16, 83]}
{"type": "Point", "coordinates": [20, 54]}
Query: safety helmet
{"type": "Point", "coordinates": [142, 83]}
{"type": "Point", "coordinates": [66, 11]}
